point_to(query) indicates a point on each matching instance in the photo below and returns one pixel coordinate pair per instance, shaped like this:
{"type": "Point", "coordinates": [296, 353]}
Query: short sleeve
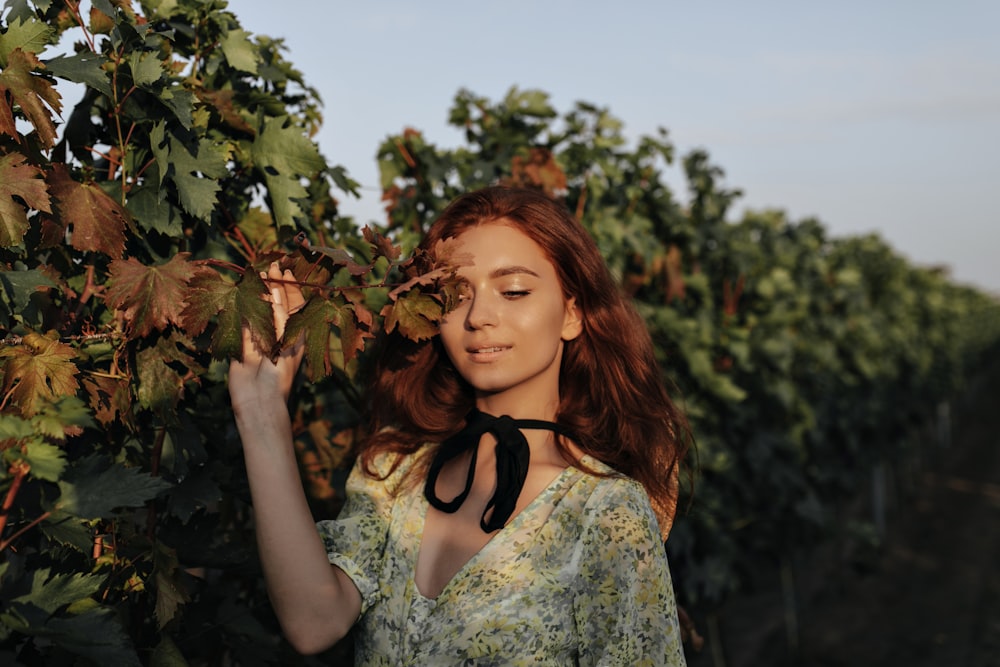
{"type": "Point", "coordinates": [355, 540]}
{"type": "Point", "coordinates": [625, 609]}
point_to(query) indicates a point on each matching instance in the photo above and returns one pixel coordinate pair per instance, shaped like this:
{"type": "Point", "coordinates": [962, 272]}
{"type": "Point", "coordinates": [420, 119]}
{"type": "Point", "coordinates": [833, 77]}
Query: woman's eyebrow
{"type": "Point", "coordinates": [512, 270]}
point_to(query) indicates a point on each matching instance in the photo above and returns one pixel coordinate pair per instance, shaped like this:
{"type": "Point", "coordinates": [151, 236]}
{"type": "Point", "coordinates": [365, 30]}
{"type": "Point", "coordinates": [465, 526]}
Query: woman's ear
{"type": "Point", "coordinates": [572, 320]}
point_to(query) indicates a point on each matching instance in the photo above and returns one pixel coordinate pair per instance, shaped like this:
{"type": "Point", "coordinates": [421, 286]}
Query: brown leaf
{"type": "Point", "coordinates": [25, 182]}
{"type": "Point", "coordinates": [152, 297]}
{"type": "Point", "coordinates": [109, 397]}
{"type": "Point", "coordinates": [222, 102]}
{"type": "Point", "coordinates": [98, 220]}
{"type": "Point", "coordinates": [31, 93]}
{"type": "Point", "coordinates": [415, 314]}
{"type": "Point", "coordinates": [383, 246]}
{"type": "Point", "coordinates": [37, 372]}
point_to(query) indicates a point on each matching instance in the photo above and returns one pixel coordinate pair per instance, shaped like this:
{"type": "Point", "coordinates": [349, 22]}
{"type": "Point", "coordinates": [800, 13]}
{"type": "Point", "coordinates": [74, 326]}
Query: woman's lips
{"type": "Point", "coordinates": [484, 353]}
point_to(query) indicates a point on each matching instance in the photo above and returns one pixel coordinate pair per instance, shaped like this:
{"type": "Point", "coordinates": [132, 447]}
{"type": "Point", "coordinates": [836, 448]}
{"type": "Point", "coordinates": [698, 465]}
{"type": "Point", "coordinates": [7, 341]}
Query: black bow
{"type": "Point", "coordinates": [512, 455]}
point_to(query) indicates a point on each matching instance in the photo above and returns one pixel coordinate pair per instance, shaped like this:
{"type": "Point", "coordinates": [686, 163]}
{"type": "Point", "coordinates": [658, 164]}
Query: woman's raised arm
{"type": "Point", "coordinates": [315, 602]}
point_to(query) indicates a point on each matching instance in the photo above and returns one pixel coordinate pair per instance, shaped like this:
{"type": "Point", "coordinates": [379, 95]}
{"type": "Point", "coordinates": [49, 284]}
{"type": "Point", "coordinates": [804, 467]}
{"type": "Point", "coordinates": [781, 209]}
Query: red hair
{"type": "Point", "coordinates": [612, 393]}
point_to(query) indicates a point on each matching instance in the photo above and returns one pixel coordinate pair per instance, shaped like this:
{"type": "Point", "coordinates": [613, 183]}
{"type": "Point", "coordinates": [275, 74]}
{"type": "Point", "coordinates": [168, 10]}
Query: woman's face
{"type": "Point", "coordinates": [506, 336]}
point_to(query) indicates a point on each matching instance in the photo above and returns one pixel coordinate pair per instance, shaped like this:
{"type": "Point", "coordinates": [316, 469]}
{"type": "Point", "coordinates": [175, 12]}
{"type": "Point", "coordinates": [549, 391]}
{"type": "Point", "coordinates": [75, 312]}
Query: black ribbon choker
{"type": "Point", "coordinates": [512, 455]}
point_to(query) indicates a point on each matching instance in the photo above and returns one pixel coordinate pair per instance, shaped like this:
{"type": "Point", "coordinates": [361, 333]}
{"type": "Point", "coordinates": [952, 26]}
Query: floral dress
{"type": "Point", "coordinates": [579, 577]}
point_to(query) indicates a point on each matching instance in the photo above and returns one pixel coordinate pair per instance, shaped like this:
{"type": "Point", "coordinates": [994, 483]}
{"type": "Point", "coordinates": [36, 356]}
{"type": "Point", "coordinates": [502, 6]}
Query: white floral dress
{"type": "Point", "coordinates": [579, 577]}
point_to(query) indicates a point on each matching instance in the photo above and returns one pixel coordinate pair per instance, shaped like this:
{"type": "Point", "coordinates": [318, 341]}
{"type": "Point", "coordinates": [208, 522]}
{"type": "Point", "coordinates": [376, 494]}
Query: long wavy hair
{"type": "Point", "coordinates": [612, 393]}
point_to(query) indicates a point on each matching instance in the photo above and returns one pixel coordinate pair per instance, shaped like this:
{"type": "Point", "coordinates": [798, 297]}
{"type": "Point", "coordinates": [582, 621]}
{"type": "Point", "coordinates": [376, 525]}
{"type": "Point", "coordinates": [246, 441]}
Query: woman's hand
{"type": "Point", "coordinates": [255, 380]}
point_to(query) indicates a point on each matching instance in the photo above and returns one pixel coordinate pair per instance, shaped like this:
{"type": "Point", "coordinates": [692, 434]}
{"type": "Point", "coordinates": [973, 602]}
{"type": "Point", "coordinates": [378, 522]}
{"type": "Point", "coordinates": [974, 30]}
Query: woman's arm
{"type": "Point", "coordinates": [315, 602]}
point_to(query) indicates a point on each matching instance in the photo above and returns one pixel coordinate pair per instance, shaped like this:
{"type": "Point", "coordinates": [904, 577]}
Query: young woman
{"type": "Point", "coordinates": [511, 504]}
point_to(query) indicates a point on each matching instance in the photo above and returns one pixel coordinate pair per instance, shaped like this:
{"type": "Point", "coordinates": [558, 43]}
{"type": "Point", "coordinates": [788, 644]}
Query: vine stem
{"type": "Point", "coordinates": [20, 470]}
{"type": "Point", "coordinates": [74, 9]}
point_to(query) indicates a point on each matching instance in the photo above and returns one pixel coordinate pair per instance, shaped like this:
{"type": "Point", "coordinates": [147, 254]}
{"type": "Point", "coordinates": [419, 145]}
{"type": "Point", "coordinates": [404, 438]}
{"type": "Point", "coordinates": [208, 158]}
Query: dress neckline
{"type": "Point", "coordinates": [566, 475]}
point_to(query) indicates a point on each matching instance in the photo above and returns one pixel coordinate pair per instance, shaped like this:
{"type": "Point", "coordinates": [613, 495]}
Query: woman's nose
{"type": "Point", "coordinates": [482, 312]}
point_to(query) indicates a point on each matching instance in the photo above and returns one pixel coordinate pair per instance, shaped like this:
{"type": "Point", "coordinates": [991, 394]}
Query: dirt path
{"type": "Point", "coordinates": [931, 595]}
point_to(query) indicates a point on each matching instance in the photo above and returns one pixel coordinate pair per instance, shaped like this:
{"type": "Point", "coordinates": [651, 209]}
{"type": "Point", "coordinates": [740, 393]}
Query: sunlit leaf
{"type": "Point", "coordinates": [240, 51]}
{"type": "Point", "coordinates": [98, 220]}
{"type": "Point", "coordinates": [38, 372]}
{"type": "Point", "coordinates": [150, 297]}
{"type": "Point", "coordinates": [29, 35]}
{"type": "Point", "coordinates": [26, 182]}
{"type": "Point", "coordinates": [415, 314]}
{"type": "Point", "coordinates": [31, 93]}
{"type": "Point", "coordinates": [285, 155]}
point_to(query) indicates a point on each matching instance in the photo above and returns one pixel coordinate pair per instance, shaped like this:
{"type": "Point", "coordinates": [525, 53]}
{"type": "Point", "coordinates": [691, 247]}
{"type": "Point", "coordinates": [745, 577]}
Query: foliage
{"type": "Point", "coordinates": [133, 230]}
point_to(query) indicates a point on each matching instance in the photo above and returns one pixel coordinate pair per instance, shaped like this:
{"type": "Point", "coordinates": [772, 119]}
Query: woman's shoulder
{"type": "Point", "coordinates": [607, 497]}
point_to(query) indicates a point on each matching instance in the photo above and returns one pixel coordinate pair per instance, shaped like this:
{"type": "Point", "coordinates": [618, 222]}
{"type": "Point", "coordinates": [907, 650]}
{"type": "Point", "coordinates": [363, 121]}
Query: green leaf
{"type": "Point", "coordinates": [30, 36]}
{"type": "Point", "coordinates": [195, 174]}
{"type": "Point", "coordinates": [315, 321]}
{"type": "Point", "coordinates": [96, 635]}
{"type": "Point", "coordinates": [19, 286]}
{"type": "Point", "coordinates": [160, 386]}
{"type": "Point", "coordinates": [237, 305]}
{"type": "Point", "coordinates": [152, 209]}
{"type": "Point", "coordinates": [50, 594]}
{"type": "Point", "coordinates": [69, 530]}
{"type": "Point", "coordinates": [240, 51]}
{"type": "Point", "coordinates": [146, 68]}
{"type": "Point", "coordinates": [93, 488]}
{"type": "Point", "coordinates": [285, 155]}
{"type": "Point", "coordinates": [180, 102]}
{"type": "Point", "coordinates": [86, 68]}
{"type": "Point", "coordinates": [47, 461]}
{"type": "Point", "coordinates": [250, 309]}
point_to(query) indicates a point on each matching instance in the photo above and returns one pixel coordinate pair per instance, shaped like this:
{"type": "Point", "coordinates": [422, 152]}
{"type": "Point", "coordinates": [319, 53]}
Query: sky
{"type": "Point", "coordinates": [871, 116]}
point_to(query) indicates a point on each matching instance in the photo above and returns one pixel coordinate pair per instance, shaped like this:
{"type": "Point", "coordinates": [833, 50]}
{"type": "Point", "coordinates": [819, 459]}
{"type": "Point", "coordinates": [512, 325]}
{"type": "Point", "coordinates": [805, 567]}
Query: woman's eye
{"type": "Point", "coordinates": [515, 293]}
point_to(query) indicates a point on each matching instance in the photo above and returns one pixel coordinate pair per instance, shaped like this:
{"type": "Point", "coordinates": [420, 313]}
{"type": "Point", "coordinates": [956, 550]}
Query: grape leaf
{"type": "Point", "coordinates": [170, 590]}
{"type": "Point", "coordinates": [222, 102]}
{"type": "Point", "coordinates": [146, 68]}
{"type": "Point", "coordinates": [208, 293]}
{"type": "Point", "coordinates": [31, 36]}
{"type": "Point", "coordinates": [236, 305]}
{"type": "Point", "coordinates": [19, 286]}
{"type": "Point", "coordinates": [239, 51]}
{"type": "Point", "coordinates": [109, 397]}
{"type": "Point", "coordinates": [18, 179]}
{"type": "Point", "coordinates": [85, 67]}
{"type": "Point", "coordinates": [383, 246]}
{"type": "Point", "coordinates": [47, 461]}
{"type": "Point", "coordinates": [285, 155]}
{"type": "Point", "coordinates": [94, 487]}
{"type": "Point", "coordinates": [315, 321]}
{"type": "Point", "coordinates": [195, 175]}
{"type": "Point", "coordinates": [51, 593]}
{"type": "Point", "coordinates": [152, 297]}
{"type": "Point", "coordinates": [38, 372]}
{"type": "Point", "coordinates": [29, 91]}
{"type": "Point", "coordinates": [160, 385]}
{"type": "Point", "coordinates": [98, 220]}
{"type": "Point", "coordinates": [416, 314]}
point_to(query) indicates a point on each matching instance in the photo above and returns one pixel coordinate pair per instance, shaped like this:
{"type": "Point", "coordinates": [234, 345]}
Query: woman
{"type": "Point", "coordinates": [508, 508]}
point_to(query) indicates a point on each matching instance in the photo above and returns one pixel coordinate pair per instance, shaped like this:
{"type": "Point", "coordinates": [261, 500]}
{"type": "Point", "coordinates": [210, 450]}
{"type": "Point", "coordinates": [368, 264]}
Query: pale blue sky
{"type": "Point", "coordinates": [871, 116]}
